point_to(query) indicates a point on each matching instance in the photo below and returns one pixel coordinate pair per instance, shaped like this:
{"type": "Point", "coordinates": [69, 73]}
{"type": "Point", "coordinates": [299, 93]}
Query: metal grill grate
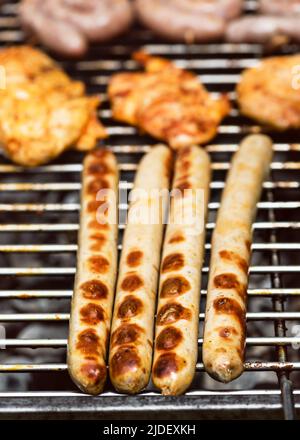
{"type": "Point", "coordinates": [38, 225]}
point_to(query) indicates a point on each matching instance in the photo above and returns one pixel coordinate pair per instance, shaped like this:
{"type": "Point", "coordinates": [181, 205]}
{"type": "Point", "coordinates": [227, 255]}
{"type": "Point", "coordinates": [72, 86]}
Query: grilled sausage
{"type": "Point", "coordinates": [177, 322]}
{"type": "Point", "coordinates": [263, 29]}
{"type": "Point", "coordinates": [96, 272]}
{"type": "Point", "coordinates": [67, 26]}
{"type": "Point", "coordinates": [180, 20]}
{"type": "Point", "coordinates": [225, 319]}
{"type": "Point", "coordinates": [280, 7]}
{"type": "Point", "coordinates": [132, 326]}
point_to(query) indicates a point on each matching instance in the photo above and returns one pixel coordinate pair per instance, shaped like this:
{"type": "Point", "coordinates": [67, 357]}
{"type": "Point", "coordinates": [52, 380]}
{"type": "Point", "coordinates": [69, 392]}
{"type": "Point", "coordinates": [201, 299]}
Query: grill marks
{"type": "Point", "coordinates": [98, 264]}
{"type": "Point", "coordinates": [92, 314]}
{"type": "Point", "coordinates": [126, 334]}
{"type": "Point", "coordinates": [168, 339]}
{"type": "Point", "coordinates": [183, 185]}
{"type": "Point", "coordinates": [92, 206]}
{"type": "Point", "coordinates": [95, 277]}
{"type": "Point", "coordinates": [96, 185]}
{"type": "Point", "coordinates": [226, 281]}
{"type": "Point", "coordinates": [94, 224]}
{"type": "Point", "coordinates": [229, 306]}
{"type": "Point", "coordinates": [229, 281]}
{"type": "Point", "coordinates": [168, 364]}
{"type": "Point", "coordinates": [172, 312]}
{"type": "Point", "coordinates": [98, 172]}
{"type": "Point", "coordinates": [171, 337]}
{"type": "Point", "coordinates": [184, 154]}
{"type": "Point", "coordinates": [125, 360]}
{"type": "Point", "coordinates": [131, 283]}
{"type": "Point", "coordinates": [94, 289]}
{"type": "Point", "coordinates": [234, 312]}
{"type": "Point", "coordinates": [173, 262]}
{"type": "Point", "coordinates": [227, 332]}
{"type": "Point", "coordinates": [99, 169]}
{"type": "Point", "coordinates": [176, 239]}
{"type": "Point", "coordinates": [95, 373]}
{"type": "Point", "coordinates": [236, 259]}
{"type": "Point", "coordinates": [98, 241]}
{"type": "Point", "coordinates": [134, 258]}
{"type": "Point", "coordinates": [88, 342]}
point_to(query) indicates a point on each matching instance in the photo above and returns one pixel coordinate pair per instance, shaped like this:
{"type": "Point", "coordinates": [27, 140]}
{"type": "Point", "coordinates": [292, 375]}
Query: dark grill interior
{"type": "Point", "coordinates": [38, 227]}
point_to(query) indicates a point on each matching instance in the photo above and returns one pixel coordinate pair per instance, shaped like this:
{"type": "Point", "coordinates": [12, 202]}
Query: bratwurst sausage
{"type": "Point", "coordinates": [186, 19]}
{"type": "Point", "coordinates": [263, 29]}
{"type": "Point", "coordinates": [177, 322]}
{"type": "Point", "coordinates": [96, 273]}
{"type": "Point", "coordinates": [279, 7]}
{"type": "Point", "coordinates": [131, 341]}
{"type": "Point", "coordinates": [225, 318]}
{"type": "Point", "coordinates": [67, 26]}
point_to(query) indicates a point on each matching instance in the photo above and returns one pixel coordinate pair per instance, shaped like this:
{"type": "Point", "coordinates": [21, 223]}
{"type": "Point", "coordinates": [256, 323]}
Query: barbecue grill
{"type": "Point", "coordinates": [38, 226]}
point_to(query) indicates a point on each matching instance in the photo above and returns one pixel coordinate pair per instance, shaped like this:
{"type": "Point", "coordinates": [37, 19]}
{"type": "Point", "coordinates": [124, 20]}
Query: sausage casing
{"type": "Point", "coordinates": [96, 273]}
{"type": "Point", "coordinates": [265, 29]}
{"type": "Point", "coordinates": [225, 318]}
{"type": "Point", "coordinates": [177, 322]}
{"type": "Point", "coordinates": [131, 342]}
{"type": "Point", "coordinates": [280, 7]}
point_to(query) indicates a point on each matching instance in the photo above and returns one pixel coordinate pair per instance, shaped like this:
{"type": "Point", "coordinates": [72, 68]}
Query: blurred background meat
{"type": "Point", "coordinates": [280, 7]}
{"type": "Point", "coordinates": [68, 26]}
{"type": "Point", "coordinates": [264, 29]}
{"type": "Point", "coordinates": [278, 21]}
{"type": "Point", "coordinates": [188, 20]}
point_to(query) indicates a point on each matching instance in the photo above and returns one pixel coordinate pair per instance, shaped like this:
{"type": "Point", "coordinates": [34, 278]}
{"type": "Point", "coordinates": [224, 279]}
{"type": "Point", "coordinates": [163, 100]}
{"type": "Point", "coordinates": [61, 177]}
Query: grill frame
{"type": "Point", "coordinates": [196, 403]}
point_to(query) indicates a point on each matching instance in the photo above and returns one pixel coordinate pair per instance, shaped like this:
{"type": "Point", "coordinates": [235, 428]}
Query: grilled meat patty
{"type": "Point", "coordinates": [42, 111]}
{"type": "Point", "coordinates": [167, 102]}
{"type": "Point", "coordinates": [270, 92]}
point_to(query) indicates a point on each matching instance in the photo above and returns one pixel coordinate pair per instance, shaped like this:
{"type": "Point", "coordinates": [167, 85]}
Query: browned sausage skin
{"type": "Point", "coordinates": [131, 341]}
{"type": "Point", "coordinates": [225, 317]}
{"type": "Point", "coordinates": [96, 273]}
{"type": "Point", "coordinates": [177, 321]}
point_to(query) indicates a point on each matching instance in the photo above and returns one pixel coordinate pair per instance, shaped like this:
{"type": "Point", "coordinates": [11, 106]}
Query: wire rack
{"type": "Point", "coordinates": [38, 226]}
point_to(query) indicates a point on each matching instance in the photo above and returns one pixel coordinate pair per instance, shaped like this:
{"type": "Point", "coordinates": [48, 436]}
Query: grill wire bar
{"type": "Point", "coordinates": [286, 385]}
{"type": "Point", "coordinates": [38, 225]}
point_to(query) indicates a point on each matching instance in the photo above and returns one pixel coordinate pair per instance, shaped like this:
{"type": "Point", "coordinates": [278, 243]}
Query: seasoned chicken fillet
{"type": "Point", "coordinates": [167, 102]}
{"type": "Point", "coordinates": [270, 92]}
{"type": "Point", "coordinates": [42, 111]}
